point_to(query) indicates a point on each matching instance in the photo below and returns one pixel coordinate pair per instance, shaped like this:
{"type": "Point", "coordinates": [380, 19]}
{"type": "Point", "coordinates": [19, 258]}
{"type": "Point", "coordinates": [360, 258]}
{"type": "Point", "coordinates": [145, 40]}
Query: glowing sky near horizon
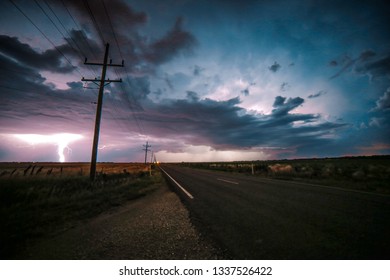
{"type": "Point", "coordinates": [204, 80]}
{"type": "Point", "coordinates": [61, 140]}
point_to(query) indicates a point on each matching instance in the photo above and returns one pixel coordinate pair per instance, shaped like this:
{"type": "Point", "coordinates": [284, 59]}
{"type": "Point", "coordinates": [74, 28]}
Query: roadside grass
{"type": "Point", "coordinates": [35, 207]}
{"type": "Point", "coordinates": [359, 173]}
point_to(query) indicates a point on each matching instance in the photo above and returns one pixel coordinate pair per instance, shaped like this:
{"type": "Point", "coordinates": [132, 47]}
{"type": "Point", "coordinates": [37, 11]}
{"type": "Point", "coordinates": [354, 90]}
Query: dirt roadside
{"type": "Point", "coordinates": [156, 226]}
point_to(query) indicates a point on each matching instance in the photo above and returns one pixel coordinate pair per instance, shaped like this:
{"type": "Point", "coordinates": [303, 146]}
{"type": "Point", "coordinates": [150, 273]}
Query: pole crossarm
{"type": "Point", "coordinates": [98, 80]}
{"type": "Point", "coordinates": [107, 64]}
{"type": "Point", "coordinates": [147, 146]}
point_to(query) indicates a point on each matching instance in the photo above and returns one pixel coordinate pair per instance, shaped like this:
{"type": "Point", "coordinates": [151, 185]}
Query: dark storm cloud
{"type": "Point", "coordinates": [367, 63]}
{"type": "Point", "coordinates": [75, 85]}
{"type": "Point", "coordinates": [346, 64]}
{"type": "Point", "coordinates": [169, 83]}
{"type": "Point", "coordinates": [275, 67]}
{"type": "Point", "coordinates": [144, 53]}
{"type": "Point", "coordinates": [192, 96]}
{"type": "Point", "coordinates": [284, 86]}
{"type": "Point", "coordinates": [137, 88]}
{"type": "Point", "coordinates": [176, 41]}
{"type": "Point", "coordinates": [224, 125]}
{"type": "Point", "coordinates": [29, 98]}
{"type": "Point", "coordinates": [50, 59]}
{"type": "Point", "coordinates": [245, 91]}
{"type": "Point", "coordinates": [29, 105]}
{"type": "Point", "coordinates": [197, 70]}
{"type": "Point", "coordinates": [283, 107]}
{"type": "Point", "coordinates": [318, 94]}
{"type": "Point", "coordinates": [367, 54]}
{"type": "Point", "coordinates": [301, 33]}
{"type": "Point", "coordinates": [158, 92]}
{"type": "Point", "coordinates": [79, 41]}
{"type": "Point", "coordinates": [120, 13]}
{"type": "Point", "coordinates": [22, 78]}
{"type": "Point", "coordinates": [383, 103]}
{"type": "Point", "coordinates": [376, 68]}
{"type": "Point", "coordinates": [279, 101]}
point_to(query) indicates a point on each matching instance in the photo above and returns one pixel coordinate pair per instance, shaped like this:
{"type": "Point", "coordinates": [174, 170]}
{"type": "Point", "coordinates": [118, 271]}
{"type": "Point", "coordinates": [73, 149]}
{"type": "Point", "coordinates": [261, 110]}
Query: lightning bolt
{"type": "Point", "coordinates": [61, 140]}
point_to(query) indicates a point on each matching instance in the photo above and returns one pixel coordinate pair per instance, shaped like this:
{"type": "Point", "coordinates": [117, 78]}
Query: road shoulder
{"type": "Point", "coordinates": [156, 226]}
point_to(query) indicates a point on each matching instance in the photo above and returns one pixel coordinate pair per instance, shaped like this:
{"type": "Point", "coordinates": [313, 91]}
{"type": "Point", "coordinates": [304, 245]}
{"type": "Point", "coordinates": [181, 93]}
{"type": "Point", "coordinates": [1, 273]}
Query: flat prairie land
{"type": "Point", "coordinates": [40, 199]}
{"type": "Point", "coordinates": [41, 169]}
{"type": "Point", "coordinates": [365, 173]}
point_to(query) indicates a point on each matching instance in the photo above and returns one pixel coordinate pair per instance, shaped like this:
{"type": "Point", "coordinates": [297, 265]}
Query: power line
{"type": "Point", "coordinates": [141, 130]}
{"type": "Point", "coordinates": [79, 28]}
{"type": "Point", "coordinates": [63, 26]}
{"type": "Point", "coordinates": [58, 29]}
{"type": "Point", "coordinates": [139, 125]}
{"type": "Point", "coordinates": [80, 51]}
{"type": "Point", "coordinates": [54, 24]}
{"type": "Point", "coordinates": [86, 4]}
{"type": "Point", "coordinates": [112, 29]}
{"type": "Point", "coordinates": [44, 35]}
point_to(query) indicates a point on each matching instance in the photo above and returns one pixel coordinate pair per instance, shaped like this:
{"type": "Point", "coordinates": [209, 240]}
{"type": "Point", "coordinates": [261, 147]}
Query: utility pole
{"type": "Point", "coordinates": [151, 157]}
{"type": "Point", "coordinates": [146, 149]}
{"type": "Point", "coordinates": [102, 83]}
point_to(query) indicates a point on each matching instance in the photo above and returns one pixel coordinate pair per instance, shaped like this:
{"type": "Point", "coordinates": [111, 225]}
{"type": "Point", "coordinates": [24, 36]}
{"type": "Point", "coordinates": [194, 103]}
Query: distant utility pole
{"type": "Point", "coordinates": [147, 146]}
{"type": "Point", "coordinates": [151, 157]}
{"type": "Point", "coordinates": [102, 83]}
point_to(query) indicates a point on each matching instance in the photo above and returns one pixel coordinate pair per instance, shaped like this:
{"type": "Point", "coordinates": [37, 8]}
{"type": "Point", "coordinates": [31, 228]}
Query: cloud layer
{"type": "Point", "coordinates": [200, 77]}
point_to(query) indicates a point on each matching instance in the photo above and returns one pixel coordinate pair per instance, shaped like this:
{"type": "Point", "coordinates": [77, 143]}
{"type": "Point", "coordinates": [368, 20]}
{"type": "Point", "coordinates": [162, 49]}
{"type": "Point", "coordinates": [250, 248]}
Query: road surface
{"type": "Point", "coordinates": [259, 218]}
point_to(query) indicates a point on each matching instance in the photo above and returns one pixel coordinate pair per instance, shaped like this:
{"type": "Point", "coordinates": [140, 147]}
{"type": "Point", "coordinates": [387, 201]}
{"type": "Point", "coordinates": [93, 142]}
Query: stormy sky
{"type": "Point", "coordinates": [203, 80]}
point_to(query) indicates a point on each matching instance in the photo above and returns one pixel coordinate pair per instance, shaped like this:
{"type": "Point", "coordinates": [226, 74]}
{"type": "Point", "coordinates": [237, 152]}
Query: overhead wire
{"type": "Point", "coordinates": [98, 29]}
{"type": "Point", "coordinates": [80, 51]}
{"type": "Point", "coordinates": [63, 26]}
{"type": "Point", "coordinates": [79, 28]}
{"type": "Point", "coordinates": [86, 4]}
{"type": "Point", "coordinates": [54, 24]}
{"type": "Point", "coordinates": [112, 28]}
{"type": "Point", "coordinates": [58, 29]}
{"type": "Point", "coordinates": [138, 123]}
{"type": "Point", "coordinates": [85, 39]}
{"type": "Point", "coordinates": [44, 35]}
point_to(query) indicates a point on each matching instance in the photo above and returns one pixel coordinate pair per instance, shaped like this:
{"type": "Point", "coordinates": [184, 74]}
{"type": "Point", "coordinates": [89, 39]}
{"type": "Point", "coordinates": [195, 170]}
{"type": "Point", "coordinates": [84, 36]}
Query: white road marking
{"type": "Point", "coordinates": [227, 181]}
{"type": "Point", "coordinates": [183, 189]}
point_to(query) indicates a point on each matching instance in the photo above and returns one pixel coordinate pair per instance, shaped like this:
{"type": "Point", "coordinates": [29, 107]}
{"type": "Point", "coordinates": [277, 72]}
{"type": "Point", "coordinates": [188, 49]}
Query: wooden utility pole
{"type": "Point", "coordinates": [146, 149]}
{"type": "Point", "coordinates": [151, 157]}
{"type": "Point", "coordinates": [102, 82]}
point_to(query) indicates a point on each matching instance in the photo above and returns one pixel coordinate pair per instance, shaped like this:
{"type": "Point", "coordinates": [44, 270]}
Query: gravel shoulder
{"type": "Point", "coordinates": [156, 226]}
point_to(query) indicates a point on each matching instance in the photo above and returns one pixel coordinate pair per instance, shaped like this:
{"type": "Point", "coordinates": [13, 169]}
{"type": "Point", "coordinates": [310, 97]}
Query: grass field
{"type": "Point", "coordinates": [40, 199]}
{"type": "Point", "coordinates": [360, 173]}
{"type": "Point", "coordinates": [55, 169]}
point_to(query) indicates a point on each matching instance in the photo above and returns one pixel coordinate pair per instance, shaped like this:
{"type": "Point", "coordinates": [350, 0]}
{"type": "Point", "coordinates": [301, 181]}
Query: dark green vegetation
{"type": "Point", "coordinates": [360, 173]}
{"type": "Point", "coordinates": [36, 206]}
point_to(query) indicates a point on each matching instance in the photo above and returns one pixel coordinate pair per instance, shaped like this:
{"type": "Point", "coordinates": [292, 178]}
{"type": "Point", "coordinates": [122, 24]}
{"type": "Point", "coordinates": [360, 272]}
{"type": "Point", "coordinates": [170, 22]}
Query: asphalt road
{"type": "Point", "coordinates": [258, 218]}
